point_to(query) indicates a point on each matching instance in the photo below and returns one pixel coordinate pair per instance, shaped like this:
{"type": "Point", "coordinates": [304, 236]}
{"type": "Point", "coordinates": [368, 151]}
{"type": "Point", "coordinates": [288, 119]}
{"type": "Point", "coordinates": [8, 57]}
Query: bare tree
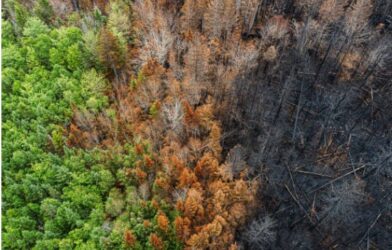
{"type": "Point", "coordinates": [341, 203]}
{"type": "Point", "coordinates": [157, 38]}
{"type": "Point", "coordinates": [249, 10]}
{"type": "Point", "coordinates": [173, 115]}
{"type": "Point", "coordinates": [261, 233]}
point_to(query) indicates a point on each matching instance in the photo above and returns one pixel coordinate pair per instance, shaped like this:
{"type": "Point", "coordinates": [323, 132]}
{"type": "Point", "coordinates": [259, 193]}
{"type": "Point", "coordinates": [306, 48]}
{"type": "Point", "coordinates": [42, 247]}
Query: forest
{"type": "Point", "coordinates": [196, 124]}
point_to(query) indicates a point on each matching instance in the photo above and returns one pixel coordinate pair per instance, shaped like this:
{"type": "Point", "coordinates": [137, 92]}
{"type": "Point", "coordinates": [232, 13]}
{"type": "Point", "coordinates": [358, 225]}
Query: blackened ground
{"type": "Point", "coordinates": [321, 143]}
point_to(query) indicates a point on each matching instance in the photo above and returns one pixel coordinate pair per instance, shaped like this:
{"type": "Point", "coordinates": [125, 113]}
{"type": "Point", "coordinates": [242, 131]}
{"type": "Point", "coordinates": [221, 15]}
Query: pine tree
{"type": "Point", "coordinates": [163, 222]}
{"type": "Point", "coordinates": [156, 242]}
{"type": "Point", "coordinates": [193, 11]}
{"type": "Point", "coordinates": [214, 18]}
{"type": "Point", "coordinates": [129, 238]}
{"type": "Point", "coordinates": [43, 10]}
{"type": "Point", "coordinates": [182, 226]}
{"type": "Point", "coordinates": [230, 16]}
{"type": "Point", "coordinates": [109, 51]}
{"type": "Point", "coordinates": [196, 60]}
{"type": "Point", "coordinates": [332, 10]}
{"type": "Point", "coordinates": [194, 204]}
